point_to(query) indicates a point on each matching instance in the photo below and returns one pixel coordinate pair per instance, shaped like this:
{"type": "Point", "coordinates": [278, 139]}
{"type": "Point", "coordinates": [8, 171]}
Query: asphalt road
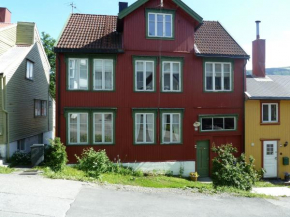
{"type": "Point", "coordinates": [34, 196]}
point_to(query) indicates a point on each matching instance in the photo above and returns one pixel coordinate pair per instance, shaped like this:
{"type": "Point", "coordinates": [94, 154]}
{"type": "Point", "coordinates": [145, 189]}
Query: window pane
{"type": "Point", "coordinates": [168, 18]}
{"type": "Point", "coordinates": [218, 123]}
{"type": "Point", "coordinates": [160, 29]}
{"type": "Point", "coordinates": [168, 30]}
{"type": "Point", "coordinates": [265, 113]}
{"type": "Point", "coordinates": [273, 113]}
{"type": "Point", "coordinates": [175, 67]}
{"type": "Point", "coordinates": [152, 17]}
{"type": "Point", "coordinates": [175, 118]}
{"type": "Point", "coordinates": [206, 124]}
{"type": "Point", "coordinates": [175, 133]}
{"type": "Point", "coordinates": [98, 127]}
{"type": "Point", "coordinates": [83, 74]}
{"type": "Point", "coordinates": [108, 81]}
{"type": "Point", "coordinates": [218, 68]}
{"type": "Point", "coordinates": [229, 123]}
{"type": "Point", "coordinates": [140, 80]}
{"type": "Point", "coordinates": [176, 81]}
{"type": "Point", "coordinates": [208, 67]}
{"type": "Point", "coordinates": [149, 118]}
{"type": "Point", "coordinates": [139, 66]}
{"type": "Point", "coordinates": [166, 82]}
{"type": "Point", "coordinates": [209, 75]}
{"type": "Point", "coordinates": [149, 133]}
{"type": "Point", "coordinates": [166, 132]}
{"type": "Point", "coordinates": [149, 76]}
{"type": "Point", "coordinates": [166, 67]}
{"type": "Point", "coordinates": [152, 28]}
{"type": "Point", "coordinates": [139, 132]}
{"type": "Point", "coordinates": [218, 81]}
{"type": "Point", "coordinates": [227, 81]}
{"type": "Point", "coordinates": [227, 68]}
{"type": "Point", "coordinates": [83, 133]}
{"type": "Point", "coordinates": [73, 133]}
{"type": "Point", "coordinates": [108, 132]}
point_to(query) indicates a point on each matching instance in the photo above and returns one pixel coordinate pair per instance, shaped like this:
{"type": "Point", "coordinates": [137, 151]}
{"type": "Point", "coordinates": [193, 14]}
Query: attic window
{"type": "Point", "coordinates": [29, 69]}
{"type": "Point", "coordinates": [160, 24]}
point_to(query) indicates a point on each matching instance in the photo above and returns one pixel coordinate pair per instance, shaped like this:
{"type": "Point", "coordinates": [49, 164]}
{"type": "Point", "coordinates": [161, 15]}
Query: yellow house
{"type": "Point", "coordinates": [267, 116]}
{"type": "Point", "coordinates": [267, 123]}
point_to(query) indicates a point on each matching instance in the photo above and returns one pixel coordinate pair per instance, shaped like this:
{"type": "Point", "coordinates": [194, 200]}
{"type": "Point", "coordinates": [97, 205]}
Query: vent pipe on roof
{"type": "Point", "coordinates": [122, 6]}
{"type": "Point", "coordinates": [257, 28]}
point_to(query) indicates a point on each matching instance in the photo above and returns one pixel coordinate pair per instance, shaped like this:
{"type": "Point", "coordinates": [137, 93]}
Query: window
{"type": "Point", "coordinates": [40, 108]}
{"type": "Point", "coordinates": [78, 74]}
{"type": "Point", "coordinates": [145, 75]}
{"type": "Point", "coordinates": [218, 76]}
{"type": "Point", "coordinates": [103, 128]}
{"type": "Point", "coordinates": [37, 108]}
{"type": "Point", "coordinates": [269, 112]}
{"type": "Point", "coordinates": [78, 128]}
{"type": "Point", "coordinates": [270, 149]}
{"type": "Point", "coordinates": [171, 128]}
{"type": "Point", "coordinates": [218, 123]}
{"type": "Point", "coordinates": [43, 107]}
{"type": "Point", "coordinates": [160, 25]}
{"type": "Point", "coordinates": [103, 74]}
{"type": "Point", "coordinates": [29, 69]}
{"type": "Point", "coordinates": [21, 145]}
{"type": "Point", "coordinates": [171, 76]}
{"type": "Point", "coordinates": [144, 128]}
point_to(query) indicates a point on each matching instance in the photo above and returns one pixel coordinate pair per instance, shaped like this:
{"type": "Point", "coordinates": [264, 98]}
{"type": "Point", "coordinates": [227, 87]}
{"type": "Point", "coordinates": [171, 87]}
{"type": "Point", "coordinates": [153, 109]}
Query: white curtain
{"type": "Point", "coordinates": [138, 125]}
{"type": "Point", "coordinates": [149, 129]}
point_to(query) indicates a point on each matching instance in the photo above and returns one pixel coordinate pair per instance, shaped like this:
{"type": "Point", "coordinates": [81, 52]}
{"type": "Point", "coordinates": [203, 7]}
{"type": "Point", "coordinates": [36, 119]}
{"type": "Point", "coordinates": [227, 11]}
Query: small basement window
{"type": "Point", "coordinates": [219, 123]}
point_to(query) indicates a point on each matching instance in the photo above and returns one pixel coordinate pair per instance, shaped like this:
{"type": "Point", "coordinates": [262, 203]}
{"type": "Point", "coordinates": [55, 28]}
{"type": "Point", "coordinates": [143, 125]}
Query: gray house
{"type": "Point", "coordinates": [26, 108]}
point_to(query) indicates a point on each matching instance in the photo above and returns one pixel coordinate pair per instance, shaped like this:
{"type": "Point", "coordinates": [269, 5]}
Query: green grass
{"type": "Point", "coordinates": [158, 181]}
{"type": "Point", "coordinates": [262, 184]}
{"type": "Point", "coordinates": [6, 170]}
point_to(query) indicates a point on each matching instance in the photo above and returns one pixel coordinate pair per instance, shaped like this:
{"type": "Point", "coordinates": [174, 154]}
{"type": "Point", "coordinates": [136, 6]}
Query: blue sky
{"type": "Point", "coordinates": [238, 17]}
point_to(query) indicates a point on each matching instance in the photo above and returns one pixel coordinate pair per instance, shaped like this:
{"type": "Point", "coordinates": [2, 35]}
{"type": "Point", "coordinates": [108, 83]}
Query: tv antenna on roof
{"type": "Point", "coordinates": [73, 6]}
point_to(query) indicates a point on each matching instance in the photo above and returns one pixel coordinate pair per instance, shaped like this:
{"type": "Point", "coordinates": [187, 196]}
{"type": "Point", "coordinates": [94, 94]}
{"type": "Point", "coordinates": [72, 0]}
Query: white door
{"type": "Point", "coordinates": [270, 159]}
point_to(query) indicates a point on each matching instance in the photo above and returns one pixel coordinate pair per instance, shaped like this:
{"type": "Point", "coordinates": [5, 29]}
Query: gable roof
{"type": "Point", "coordinates": [179, 3]}
{"type": "Point", "coordinates": [212, 39]}
{"type": "Point", "coordinates": [275, 87]}
{"type": "Point", "coordinates": [90, 33]}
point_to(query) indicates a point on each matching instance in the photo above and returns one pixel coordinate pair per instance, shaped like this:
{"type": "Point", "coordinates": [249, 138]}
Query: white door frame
{"type": "Point", "coordinates": [273, 159]}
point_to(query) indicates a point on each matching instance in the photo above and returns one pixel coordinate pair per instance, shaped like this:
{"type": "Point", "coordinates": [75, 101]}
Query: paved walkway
{"type": "Point", "coordinates": [273, 191]}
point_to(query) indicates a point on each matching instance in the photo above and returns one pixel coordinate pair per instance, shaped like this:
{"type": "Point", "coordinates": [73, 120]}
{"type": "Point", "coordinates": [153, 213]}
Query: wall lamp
{"type": "Point", "coordinates": [285, 144]}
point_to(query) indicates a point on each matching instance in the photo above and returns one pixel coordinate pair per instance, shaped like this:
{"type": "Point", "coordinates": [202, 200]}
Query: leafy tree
{"type": "Point", "coordinates": [48, 43]}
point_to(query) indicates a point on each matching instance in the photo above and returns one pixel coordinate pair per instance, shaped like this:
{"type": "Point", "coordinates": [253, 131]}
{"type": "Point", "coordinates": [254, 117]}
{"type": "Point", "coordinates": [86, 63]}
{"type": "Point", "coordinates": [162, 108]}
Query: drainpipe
{"type": "Point", "coordinates": [245, 89]}
{"type": "Point", "coordinates": [58, 94]}
{"type": "Point", "coordinates": [7, 118]}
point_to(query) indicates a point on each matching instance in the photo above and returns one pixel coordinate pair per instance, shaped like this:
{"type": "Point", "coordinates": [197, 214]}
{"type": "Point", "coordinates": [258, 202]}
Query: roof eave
{"type": "Point", "coordinates": [82, 50]}
{"type": "Point", "coordinates": [268, 98]}
{"type": "Point", "coordinates": [224, 56]}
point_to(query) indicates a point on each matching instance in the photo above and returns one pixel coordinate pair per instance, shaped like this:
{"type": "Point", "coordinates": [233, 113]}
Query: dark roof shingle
{"type": "Point", "coordinates": [86, 31]}
{"type": "Point", "coordinates": [212, 39]}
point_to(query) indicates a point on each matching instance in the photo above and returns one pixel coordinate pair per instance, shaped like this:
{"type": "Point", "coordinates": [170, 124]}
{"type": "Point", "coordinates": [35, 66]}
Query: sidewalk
{"type": "Point", "coordinates": [273, 191]}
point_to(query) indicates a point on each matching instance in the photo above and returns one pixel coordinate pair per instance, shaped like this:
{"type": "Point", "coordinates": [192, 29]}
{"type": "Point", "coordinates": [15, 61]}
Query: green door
{"type": "Point", "coordinates": [202, 158]}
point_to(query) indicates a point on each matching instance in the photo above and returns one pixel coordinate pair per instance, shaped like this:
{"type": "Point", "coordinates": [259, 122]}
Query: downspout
{"type": "Point", "coordinates": [7, 119]}
{"type": "Point", "coordinates": [58, 94]}
{"type": "Point", "coordinates": [244, 87]}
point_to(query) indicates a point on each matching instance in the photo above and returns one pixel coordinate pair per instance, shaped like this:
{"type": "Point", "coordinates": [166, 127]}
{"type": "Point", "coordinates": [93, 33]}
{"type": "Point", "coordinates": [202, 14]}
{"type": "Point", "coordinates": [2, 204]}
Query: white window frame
{"type": "Point", "coordinates": [74, 69]}
{"type": "Point", "coordinates": [78, 128]}
{"type": "Point", "coordinates": [223, 117]}
{"type": "Point", "coordinates": [222, 77]}
{"type": "Point", "coordinates": [144, 127]}
{"type": "Point", "coordinates": [29, 69]}
{"type": "Point", "coordinates": [103, 128]}
{"type": "Point", "coordinates": [164, 25]}
{"type": "Point", "coordinates": [171, 129]}
{"type": "Point", "coordinates": [171, 76]}
{"type": "Point", "coordinates": [144, 76]}
{"type": "Point", "coordinates": [269, 113]}
{"type": "Point", "coordinates": [103, 74]}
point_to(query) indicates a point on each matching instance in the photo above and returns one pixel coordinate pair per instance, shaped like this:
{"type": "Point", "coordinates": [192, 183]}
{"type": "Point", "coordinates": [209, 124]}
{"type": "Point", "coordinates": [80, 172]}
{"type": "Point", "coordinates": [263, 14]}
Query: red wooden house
{"type": "Point", "coordinates": [156, 86]}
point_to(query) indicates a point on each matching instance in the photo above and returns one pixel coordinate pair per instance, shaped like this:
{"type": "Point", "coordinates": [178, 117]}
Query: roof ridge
{"type": "Point", "coordinates": [94, 14]}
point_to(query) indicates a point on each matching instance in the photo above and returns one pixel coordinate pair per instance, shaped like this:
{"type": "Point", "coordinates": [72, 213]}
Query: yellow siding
{"type": "Point", "coordinates": [255, 132]}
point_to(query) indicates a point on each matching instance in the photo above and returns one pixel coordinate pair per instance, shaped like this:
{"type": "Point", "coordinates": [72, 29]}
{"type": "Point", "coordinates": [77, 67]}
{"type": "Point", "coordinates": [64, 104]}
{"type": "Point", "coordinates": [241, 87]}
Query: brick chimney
{"type": "Point", "coordinates": [259, 54]}
{"type": "Point", "coordinates": [122, 6]}
{"type": "Point", "coordinates": [5, 15]}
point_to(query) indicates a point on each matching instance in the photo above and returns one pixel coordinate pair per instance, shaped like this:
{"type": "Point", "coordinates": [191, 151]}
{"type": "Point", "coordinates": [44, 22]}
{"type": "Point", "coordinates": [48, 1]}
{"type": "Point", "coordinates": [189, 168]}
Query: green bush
{"type": "Point", "coordinates": [231, 171]}
{"type": "Point", "coordinates": [20, 159]}
{"type": "Point", "coordinates": [94, 163]}
{"type": "Point", "coordinates": [55, 155]}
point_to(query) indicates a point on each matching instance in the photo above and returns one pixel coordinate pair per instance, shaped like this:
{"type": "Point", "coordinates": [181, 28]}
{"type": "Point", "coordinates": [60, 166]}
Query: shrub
{"type": "Point", "coordinates": [231, 171]}
{"type": "Point", "coordinates": [20, 159]}
{"type": "Point", "coordinates": [94, 163]}
{"type": "Point", "coordinates": [55, 155]}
